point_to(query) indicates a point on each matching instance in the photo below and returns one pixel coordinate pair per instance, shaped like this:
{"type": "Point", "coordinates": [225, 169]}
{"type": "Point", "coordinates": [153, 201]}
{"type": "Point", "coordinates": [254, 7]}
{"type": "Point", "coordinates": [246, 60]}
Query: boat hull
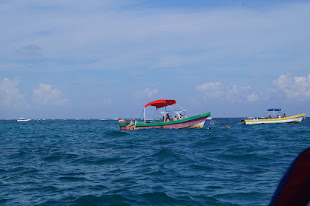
{"type": "Point", "coordinates": [291, 119]}
{"type": "Point", "coordinates": [23, 120]}
{"type": "Point", "coordinates": [194, 122]}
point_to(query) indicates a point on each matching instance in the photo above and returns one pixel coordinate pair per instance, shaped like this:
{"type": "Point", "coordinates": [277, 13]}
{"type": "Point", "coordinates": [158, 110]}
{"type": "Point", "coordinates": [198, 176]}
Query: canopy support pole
{"type": "Point", "coordinates": [165, 114]}
{"type": "Point", "coordinates": [144, 114]}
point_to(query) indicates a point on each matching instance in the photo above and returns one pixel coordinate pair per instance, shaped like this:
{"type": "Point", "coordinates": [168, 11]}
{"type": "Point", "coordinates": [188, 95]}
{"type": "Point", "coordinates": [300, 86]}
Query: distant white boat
{"type": "Point", "coordinates": [23, 120]}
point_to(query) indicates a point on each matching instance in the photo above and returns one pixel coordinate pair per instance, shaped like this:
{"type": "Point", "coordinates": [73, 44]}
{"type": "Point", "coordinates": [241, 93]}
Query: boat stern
{"type": "Point", "coordinates": [127, 126]}
{"type": "Point", "coordinates": [122, 124]}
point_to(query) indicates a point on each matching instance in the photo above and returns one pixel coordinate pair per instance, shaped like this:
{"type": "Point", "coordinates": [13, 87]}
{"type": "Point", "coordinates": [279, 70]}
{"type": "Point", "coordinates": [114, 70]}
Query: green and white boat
{"type": "Point", "coordinates": [181, 121]}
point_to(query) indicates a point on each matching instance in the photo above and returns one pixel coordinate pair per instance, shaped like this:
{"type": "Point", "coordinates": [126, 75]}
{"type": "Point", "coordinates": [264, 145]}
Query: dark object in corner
{"type": "Point", "coordinates": [294, 187]}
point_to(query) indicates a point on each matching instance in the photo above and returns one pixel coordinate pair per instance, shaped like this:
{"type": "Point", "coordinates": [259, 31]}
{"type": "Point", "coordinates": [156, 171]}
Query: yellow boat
{"type": "Point", "coordinates": [275, 118]}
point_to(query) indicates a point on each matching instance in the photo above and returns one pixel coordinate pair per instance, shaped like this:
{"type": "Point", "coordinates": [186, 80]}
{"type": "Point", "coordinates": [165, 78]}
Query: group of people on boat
{"type": "Point", "coordinates": [174, 119]}
{"type": "Point", "coordinates": [284, 115]}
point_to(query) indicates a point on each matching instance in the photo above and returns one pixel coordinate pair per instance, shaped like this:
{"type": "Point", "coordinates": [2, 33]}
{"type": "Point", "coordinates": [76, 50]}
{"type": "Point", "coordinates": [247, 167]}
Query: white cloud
{"type": "Point", "coordinates": [211, 90]}
{"type": "Point", "coordinates": [47, 95]}
{"type": "Point", "coordinates": [146, 93]}
{"type": "Point", "coordinates": [293, 87]}
{"type": "Point", "coordinates": [217, 91]}
{"type": "Point", "coordinates": [290, 87]}
{"type": "Point", "coordinates": [253, 97]}
{"type": "Point", "coordinates": [10, 94]}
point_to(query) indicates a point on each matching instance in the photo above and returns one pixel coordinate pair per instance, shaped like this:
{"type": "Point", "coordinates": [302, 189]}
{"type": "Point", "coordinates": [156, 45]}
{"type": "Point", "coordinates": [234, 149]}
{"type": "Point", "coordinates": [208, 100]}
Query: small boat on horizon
{"type": "Point", "coordinates": [23, 120]}
{"type": "Point", "coordinates": [180, 120]}
{"type": "Point", "coordinates": [274, 117]}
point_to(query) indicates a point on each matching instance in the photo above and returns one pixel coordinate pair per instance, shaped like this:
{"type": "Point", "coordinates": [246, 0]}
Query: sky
{"type": "Point", "coordinates": [108, 58]}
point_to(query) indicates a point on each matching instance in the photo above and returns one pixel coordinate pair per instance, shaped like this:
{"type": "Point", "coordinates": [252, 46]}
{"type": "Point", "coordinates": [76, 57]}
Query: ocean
{"type": "Point", "coordinates": [92, 162]}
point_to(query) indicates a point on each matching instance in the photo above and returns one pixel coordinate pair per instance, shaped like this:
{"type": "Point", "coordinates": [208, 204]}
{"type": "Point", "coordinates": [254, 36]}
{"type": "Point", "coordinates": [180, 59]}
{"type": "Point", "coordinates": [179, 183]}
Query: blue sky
{"type": "Point", "coordinates": [107, 59]}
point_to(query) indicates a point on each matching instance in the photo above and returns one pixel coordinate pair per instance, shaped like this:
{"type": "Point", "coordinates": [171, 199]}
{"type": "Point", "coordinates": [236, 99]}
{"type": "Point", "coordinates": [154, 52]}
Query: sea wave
{"type": "Point", "coordinates": [92, 162]}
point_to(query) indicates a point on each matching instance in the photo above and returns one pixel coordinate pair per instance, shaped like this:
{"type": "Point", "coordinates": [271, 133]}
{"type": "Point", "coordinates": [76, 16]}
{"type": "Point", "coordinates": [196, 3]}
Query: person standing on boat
{"type": "Point", "coordinates": [284, 115]}
{"type": "Point", "coordinates": [168, 118]}
{"type": "Point", "coordinates": [181, 116]}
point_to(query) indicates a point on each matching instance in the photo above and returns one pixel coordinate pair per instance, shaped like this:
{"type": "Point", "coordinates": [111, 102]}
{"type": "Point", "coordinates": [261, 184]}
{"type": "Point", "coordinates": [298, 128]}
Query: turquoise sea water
{"type": "Point", "coordinates": [92, 162]}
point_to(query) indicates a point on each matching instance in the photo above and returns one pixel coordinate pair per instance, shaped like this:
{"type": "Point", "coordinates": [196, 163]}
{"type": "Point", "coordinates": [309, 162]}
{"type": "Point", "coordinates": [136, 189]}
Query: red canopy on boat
{"type": "Point", "coordinates": [161, 103]}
